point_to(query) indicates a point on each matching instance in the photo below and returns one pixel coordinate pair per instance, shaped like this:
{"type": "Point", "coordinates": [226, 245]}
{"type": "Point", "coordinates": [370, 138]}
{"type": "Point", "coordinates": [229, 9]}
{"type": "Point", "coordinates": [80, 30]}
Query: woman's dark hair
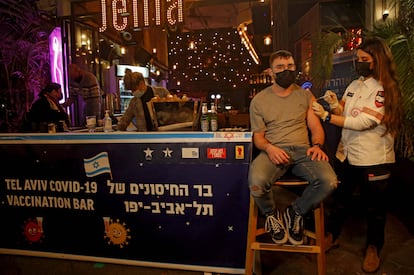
{"type": "Point", "coordinates": [385, 72]}
{"type": "Point", "coordinates": [50, 87]}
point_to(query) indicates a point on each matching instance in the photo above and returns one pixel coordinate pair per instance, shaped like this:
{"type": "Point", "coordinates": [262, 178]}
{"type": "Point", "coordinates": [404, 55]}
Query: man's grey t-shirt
{"type": "Point", "coordinates": [282, 118]}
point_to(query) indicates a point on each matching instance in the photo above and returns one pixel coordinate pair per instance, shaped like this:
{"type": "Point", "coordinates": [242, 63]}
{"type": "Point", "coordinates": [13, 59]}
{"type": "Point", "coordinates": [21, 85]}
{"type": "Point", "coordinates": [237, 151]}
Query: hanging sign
{"type": "Point", "coordinates": [140, 13]}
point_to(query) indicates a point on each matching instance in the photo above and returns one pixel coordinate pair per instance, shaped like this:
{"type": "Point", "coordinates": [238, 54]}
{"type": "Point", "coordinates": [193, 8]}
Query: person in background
{"type": "Point", "coordinates": [46, 109]}
{"type": "Point", "coordinates": [137, 107]}
{"type": "Point", "coordinates": [84, 84]}
{"type": "Point", "coordinates": [281, 119]}
{"type": "Point", "coordinates": [370, 116]}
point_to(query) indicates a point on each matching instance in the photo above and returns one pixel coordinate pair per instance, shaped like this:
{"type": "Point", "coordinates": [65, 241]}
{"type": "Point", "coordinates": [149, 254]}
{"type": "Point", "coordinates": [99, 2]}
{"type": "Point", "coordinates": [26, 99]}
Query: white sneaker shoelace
{"type": "Point", "coordinates": [272, 224]}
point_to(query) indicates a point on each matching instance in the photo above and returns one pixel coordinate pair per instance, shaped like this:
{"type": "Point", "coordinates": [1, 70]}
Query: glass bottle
{"type": "Point", "coordinates": [213, 118]}
{"type": "Point", "coordinates": [204, 121]}
{"type": "Point", "coordinates": [107, 122]}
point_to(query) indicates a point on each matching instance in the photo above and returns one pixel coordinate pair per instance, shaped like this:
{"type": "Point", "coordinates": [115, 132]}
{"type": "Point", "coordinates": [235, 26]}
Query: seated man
{"type": "Point", "coordinates": [137, 107]}
{"type": "Point", "coordinates": [281, 118]}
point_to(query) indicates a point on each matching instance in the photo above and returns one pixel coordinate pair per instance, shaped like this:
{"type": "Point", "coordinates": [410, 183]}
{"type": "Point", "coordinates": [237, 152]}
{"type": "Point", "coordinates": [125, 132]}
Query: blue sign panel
{"type": "Point", "coordinates": [176, 200]}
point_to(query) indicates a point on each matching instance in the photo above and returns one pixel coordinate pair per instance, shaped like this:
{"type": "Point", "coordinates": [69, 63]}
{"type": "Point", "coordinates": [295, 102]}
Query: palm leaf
{"type": "Point", "coordinates": [401, 43]}
{"type": "Point", "coordinates": [323, 46]}
{"type": "Point", "coordinates": [399, 34]}
{"type": "Point", "coordinates": [24, 56]}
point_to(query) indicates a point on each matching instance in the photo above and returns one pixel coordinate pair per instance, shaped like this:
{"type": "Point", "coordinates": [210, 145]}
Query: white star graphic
{"type": "Point", "coordinates": [148, 153]}
{"type": "Point", "coordinates": [230, 228]}
{"type": "Point", "coordinates": [167, 152]}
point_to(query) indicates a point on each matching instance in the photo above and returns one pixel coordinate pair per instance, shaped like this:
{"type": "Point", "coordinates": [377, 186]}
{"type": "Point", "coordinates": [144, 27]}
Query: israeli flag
{"type": "Point", "coordinates": [97, 165]}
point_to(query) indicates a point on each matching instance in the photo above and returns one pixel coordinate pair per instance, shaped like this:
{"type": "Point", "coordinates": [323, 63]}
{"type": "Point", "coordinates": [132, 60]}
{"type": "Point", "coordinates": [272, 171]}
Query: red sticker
{"type": "Point", "coordinates": [216, 153]}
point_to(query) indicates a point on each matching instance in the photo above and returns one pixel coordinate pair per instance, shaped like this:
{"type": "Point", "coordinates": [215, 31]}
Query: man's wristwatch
{"type": "Point", "coordinates": [318, 144]}
{"type": "Point", "coordinates": [328, 117]}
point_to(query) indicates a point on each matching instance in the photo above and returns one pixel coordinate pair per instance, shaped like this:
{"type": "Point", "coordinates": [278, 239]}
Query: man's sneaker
{"type": "Point", "coordinates": [294, 226]}
{"type": "Point", "coordinates": [274, 225]}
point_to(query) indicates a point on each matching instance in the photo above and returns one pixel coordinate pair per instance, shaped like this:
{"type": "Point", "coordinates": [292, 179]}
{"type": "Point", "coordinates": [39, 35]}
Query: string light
{"type": "Point", "coordinates": [267, 40]}
{"type": "Point", "coordinates": [225, 62]}
{"type": "Point", "coordinates": [242, 30]}
{"type": "Point", "coordinates": [191, 45]}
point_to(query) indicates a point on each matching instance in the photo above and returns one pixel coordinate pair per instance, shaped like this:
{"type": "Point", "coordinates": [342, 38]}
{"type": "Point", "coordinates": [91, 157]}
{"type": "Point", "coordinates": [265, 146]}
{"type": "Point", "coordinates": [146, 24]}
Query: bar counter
{"type": "Point", "coordinates": [160, 199]}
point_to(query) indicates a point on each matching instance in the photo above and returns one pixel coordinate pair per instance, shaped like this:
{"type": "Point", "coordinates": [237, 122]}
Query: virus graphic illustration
{"type": "Point", "coordinates": [116, 233]}
{"type": "Point", "coordinates": [33, 230]}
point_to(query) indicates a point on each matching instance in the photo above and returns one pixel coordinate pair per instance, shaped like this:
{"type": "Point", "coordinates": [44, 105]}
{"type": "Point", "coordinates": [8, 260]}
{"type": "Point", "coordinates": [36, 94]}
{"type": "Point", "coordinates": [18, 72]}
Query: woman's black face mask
{"type": "Point", "coordinates": [362, 68]}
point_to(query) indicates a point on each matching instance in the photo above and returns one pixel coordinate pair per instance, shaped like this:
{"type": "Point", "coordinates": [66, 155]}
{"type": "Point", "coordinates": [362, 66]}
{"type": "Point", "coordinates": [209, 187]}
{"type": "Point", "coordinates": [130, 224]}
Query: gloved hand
{"type": "Point", "coordinates": [331, 98]}
{"type": "Point", "coordinates": [319, 110]}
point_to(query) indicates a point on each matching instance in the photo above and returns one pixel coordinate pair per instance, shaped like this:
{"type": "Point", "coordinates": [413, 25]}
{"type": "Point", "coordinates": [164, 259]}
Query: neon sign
{"type": "Point", "coordinates": [140, 13]}
{"type": "Point", "coordinates": [56, 59]}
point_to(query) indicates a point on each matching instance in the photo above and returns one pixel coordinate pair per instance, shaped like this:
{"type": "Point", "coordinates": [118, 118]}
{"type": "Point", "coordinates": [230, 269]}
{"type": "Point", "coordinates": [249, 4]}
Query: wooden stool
{"type": "Point", "coordinates": [253, 246]}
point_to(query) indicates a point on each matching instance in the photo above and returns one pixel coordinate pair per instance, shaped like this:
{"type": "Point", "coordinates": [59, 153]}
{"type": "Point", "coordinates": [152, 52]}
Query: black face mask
{"type": "Point", "coordinates": [362, 68]}
{"type": "Point", "coordinates": [286, 78]}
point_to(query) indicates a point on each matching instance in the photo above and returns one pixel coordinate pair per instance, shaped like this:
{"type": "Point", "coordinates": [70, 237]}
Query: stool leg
{"type": "Point", "coordinates": [257, 263]}
{"type": "Point", "coordinates": [253, 247]}
{"type": "Point", "coordinates": [251, 237]}
{"type": "Point", "coordinates": [320, 238]}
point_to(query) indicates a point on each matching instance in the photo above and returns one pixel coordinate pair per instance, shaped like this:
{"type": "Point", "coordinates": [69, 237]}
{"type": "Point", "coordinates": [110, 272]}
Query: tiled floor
{"type": "Point", "coordinates": [397, 255]}
{"type": "Point", "coordinates": [397, 258]}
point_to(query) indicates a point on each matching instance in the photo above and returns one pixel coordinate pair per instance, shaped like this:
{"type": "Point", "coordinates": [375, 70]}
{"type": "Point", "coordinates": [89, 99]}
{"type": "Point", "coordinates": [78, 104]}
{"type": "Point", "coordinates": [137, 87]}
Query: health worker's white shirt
{"type": "Point", "coordinates": [362, 140]}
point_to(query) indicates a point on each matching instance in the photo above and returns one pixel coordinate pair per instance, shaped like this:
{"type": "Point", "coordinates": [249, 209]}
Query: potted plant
{"type": "Point", "coordinates": [399, 34]}
{"type": "Point", "coordinates": [24, 59]}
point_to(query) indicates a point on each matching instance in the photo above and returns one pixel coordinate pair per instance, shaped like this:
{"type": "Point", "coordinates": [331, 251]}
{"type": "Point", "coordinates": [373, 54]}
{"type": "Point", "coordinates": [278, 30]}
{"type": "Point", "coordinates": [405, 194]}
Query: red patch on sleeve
{"type": "Point", "coordinates": [379, 99]}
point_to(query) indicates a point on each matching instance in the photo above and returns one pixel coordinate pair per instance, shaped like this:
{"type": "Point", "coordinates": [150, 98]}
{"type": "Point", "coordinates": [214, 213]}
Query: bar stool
{"type": "Point", "coordinates": [252, 265]}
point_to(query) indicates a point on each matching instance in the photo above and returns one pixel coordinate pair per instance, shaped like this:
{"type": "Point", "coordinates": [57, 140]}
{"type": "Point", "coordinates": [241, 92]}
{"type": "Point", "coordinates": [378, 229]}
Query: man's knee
{"type": "Point", "coordinates": [256, 190]}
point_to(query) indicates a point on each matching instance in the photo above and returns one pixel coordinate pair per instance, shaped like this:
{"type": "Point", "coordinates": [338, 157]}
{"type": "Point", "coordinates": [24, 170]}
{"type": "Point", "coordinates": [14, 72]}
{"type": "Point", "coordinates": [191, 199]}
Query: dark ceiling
{"type": "Point", "coordinates": [204, 14]}
{"type": "Point", "coordinates": [215, 14]}
{"type": "Point", "coordinates": [211, 14]}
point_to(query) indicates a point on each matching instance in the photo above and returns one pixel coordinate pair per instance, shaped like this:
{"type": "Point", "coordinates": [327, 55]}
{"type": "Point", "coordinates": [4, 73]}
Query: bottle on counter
{"type": "Point", "coordinates": [204, 121]}
{"type": "Point", "coordinates": [213, 117]}
{"type": "Point", "coordinates": [107, 122]}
